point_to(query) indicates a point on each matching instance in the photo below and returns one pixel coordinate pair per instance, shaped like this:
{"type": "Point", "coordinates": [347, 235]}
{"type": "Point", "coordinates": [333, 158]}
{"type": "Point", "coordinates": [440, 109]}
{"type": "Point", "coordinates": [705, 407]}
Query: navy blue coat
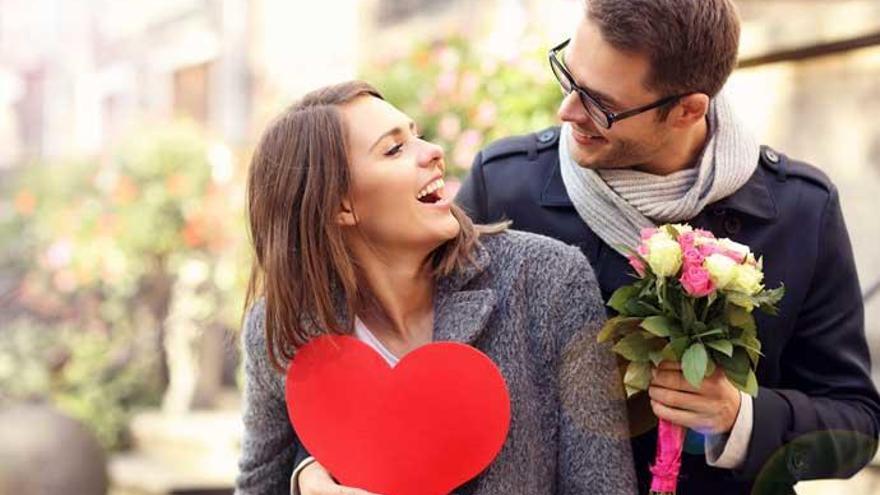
{"type": "Point", "coordinates": [817, 413]}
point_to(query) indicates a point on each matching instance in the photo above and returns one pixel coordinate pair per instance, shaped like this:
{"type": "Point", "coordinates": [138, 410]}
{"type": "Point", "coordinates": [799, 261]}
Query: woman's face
{"type": "Point", "coordinates": [398, 198]}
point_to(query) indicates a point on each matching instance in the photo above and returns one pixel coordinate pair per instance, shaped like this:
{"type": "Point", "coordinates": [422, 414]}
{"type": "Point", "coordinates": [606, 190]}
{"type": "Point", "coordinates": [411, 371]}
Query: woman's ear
{"type": "Point", "coordinates": [690, 110]}
{"type": "Point", "coordinates": [346, 216]}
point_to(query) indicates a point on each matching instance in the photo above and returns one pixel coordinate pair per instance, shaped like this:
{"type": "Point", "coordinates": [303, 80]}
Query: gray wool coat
{"type": "Point", "coordinates": [532, 305]}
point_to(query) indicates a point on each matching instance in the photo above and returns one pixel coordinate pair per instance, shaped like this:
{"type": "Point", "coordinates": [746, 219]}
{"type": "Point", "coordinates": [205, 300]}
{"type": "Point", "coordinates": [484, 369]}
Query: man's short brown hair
{"type": "Point", "coordinates": [691, 44]}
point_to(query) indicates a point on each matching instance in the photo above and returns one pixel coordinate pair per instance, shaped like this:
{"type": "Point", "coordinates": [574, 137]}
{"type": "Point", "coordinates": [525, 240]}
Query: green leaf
{"type": "Point", "coordinates": [751, 344]}
{"type": "Point", "coordinates": [736, 367]}
{"type": "Point", "coordinates": [658, 357]}
{"type": "Point", "coordinates": [751, 387]}
{"type": "Point", "coordinates": [615, 325]}
{"type": "Point", "coordinates": [693, 364]}
{"type": "Point", "coordinates": [744, 301]}
{"type": "Point", "coordinates": [634, 347]}
{"type": "Point", "coordinates": [723, 346]}
{"type": "Point", "coordinates": [672, 231]}
{"type": "Point", "coordinates": [621, 297]}
{"type": "Point", "coordinates": [738, 317]}
{"type": "Point", "coordinates": [640, 308]}
{"type": "Point", "coordinates": [660, 326]}
{"type": "Point", "coordinates": [770, 296]}
{"type": "Point", "coordinates": [638, 375]}
{"type": "Point", "coordinates": [674, 350]}
{"type": "Point", "coordinates": [709, 333]}
{"type": "Point", "coordinates": [710, 368]}
{"type": "Point", "coordinates": [630, 391]}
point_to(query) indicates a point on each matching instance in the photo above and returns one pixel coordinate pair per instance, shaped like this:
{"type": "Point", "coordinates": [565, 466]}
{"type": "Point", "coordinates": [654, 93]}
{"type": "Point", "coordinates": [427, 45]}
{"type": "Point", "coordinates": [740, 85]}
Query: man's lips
{"type": "Point", "coordinates": [587, 138]}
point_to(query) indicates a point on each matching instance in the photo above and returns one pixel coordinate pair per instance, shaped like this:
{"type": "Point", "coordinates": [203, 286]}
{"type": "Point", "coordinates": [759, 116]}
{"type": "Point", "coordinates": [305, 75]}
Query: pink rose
{"type": "Point", "coordinates": [704, 234]}
{"type": "Point", "coordinates": [696, 281]}
{"type": "Point", "coordinates": [637, 264]}
{"type": "Point", "coordinates": [686, 240]}
{"type": "Point", "coordinates": [693, 257]}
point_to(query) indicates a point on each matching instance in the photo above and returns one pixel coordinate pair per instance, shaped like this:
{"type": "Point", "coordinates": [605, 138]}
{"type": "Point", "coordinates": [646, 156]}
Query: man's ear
{"type": "Point", "coordinates": [690, 110]}
{"type": "Point", "coordinates": [346, 216]}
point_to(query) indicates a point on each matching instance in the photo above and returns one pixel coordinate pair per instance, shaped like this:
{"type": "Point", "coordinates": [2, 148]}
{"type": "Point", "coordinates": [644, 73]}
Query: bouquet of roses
{"type": "Point", "coordinates": [692, 303]}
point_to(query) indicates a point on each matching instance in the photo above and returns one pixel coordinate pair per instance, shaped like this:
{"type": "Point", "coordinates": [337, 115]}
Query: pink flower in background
{"type": "Point", "coordinates": [470, 83]}
{"type": "Point", "coordinates": [446, 83]}
{"type": "Point", "coordinates": [696, 282]}
{"type": "Point", "coordinates": [466, 148]}
{"type": "Point", "coordinates": [449, 127]}
{"type": "Point", "coordinates": [486, 114]}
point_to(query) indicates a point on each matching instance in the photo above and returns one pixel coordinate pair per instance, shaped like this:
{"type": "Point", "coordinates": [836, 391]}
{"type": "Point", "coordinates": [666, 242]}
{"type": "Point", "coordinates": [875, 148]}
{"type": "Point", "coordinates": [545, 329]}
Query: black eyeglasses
{"type": "Point", "coordinates": [601, 116]}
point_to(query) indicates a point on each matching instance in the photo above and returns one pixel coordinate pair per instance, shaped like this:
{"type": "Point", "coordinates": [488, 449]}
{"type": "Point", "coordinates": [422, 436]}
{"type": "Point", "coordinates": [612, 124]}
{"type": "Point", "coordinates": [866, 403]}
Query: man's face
{"type": "Point", "coordinates": [616, 79]}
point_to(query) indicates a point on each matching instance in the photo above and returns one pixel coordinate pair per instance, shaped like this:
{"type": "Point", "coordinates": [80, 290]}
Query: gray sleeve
{"type": "Point", "coordinates": [269, 445]}
{"type": "Point", "coordinates": [594, 454]}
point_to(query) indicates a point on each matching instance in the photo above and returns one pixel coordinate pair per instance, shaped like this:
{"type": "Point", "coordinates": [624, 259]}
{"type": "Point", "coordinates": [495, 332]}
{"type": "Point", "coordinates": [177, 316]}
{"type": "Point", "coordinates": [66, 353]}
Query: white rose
{"type": "Point", "coordinates": [747, 279]}
{"type": "Point", "coordinates": [664, 255]}
{"type": "Point", "coordinates": [721, 269]}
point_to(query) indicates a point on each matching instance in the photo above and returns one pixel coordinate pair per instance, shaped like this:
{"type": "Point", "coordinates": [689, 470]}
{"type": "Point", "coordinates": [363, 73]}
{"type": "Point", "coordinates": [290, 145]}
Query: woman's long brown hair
{"type": "Point", "coordinates": [298, 178]}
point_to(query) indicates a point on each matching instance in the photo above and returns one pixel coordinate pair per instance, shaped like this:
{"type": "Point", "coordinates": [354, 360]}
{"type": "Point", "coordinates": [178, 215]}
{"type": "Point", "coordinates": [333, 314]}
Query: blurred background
{"type": "Point", "coordinates": [125, 132]}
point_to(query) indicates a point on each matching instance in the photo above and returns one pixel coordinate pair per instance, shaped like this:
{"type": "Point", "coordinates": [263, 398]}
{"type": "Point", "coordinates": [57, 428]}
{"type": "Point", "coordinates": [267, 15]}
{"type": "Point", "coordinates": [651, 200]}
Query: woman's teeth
{"type": "Point", "coordinates": [430, 188]}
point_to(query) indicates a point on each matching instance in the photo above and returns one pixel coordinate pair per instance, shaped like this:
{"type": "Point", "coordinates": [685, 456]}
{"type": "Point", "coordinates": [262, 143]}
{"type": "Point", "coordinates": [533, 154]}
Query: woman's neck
{"type": "Point", "coordinates": [400, 309]}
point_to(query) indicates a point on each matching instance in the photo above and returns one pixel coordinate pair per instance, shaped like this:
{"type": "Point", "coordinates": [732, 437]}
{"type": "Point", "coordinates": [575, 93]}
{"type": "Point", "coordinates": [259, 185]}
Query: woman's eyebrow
{"type": "Point", "coordinates": [393, 132]}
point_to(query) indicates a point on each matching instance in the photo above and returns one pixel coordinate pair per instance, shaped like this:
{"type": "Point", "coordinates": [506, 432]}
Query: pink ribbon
{"type": "Point", "coordinates": [670, 442]}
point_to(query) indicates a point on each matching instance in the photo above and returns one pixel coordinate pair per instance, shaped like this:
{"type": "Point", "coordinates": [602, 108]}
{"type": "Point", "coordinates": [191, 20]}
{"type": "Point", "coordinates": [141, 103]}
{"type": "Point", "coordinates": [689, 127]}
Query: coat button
{"type": "Point", "coordinates": [546, 136]}
{"type": "Point", "coordinates": [732, 225]}
{"type": "Point", "coordinates": [771, 156]}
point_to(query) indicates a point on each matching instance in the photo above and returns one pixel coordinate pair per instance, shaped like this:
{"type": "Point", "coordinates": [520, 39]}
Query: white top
{"type": "Point", "coordinates": [366, 336]}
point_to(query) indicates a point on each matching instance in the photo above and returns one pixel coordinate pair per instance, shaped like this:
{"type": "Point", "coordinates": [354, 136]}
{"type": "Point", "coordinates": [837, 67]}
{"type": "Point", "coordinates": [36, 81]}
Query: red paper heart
{"type": "Point", "coordinates": [424, 427]}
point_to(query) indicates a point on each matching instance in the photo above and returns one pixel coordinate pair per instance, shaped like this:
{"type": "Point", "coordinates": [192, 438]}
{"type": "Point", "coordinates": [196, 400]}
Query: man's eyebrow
{"type": "Point", "coordinates": [393, 132]}
{"type": "Point", "coordinates": [602, 97]}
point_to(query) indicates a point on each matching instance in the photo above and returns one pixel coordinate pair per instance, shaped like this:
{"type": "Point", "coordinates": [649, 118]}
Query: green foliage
{"type": "Point", "coordinates": [463, 99]}
{"type": "Point", "coordinates": [96, 248]}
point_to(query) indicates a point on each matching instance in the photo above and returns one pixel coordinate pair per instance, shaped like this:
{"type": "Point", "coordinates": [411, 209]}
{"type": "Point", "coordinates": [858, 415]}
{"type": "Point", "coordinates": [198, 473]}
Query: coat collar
{"type": "Point", "coordinates": [753, 198]}
{"type": "Point", "coordinates": [460, 313]}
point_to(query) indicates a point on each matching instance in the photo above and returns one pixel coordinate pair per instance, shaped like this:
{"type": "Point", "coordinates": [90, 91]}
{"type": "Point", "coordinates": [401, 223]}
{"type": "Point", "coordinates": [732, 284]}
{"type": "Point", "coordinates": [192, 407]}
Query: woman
{"type": "Point", "coordinates": [355, 233]}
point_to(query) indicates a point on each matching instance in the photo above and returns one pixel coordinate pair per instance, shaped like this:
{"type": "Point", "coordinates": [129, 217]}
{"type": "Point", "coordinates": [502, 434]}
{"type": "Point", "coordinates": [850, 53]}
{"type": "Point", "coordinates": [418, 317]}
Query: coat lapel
{"type": "Point", "coordinates": [461, 311]}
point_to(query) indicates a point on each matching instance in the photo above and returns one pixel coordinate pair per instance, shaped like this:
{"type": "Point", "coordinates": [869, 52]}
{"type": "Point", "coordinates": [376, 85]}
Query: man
{"type": "Point", "coordinates": [647, 139]}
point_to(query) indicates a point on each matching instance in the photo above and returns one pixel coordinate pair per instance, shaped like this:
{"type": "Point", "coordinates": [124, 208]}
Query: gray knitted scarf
{"type": "Point", "coordinates": [617, 204]}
